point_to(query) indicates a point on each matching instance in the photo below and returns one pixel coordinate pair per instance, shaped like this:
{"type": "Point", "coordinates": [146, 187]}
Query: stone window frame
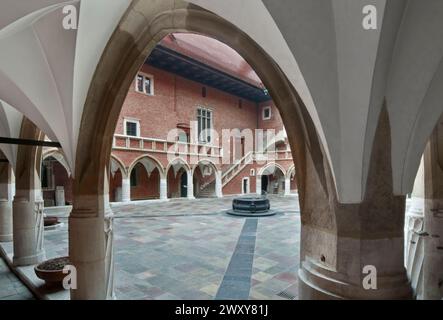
{"type": "Point", "coordinates": [201, 108]}
{"type": "Point", "coordinates": [132, 120]}
{"type": "Point", "coordinates": [267, 108]}
{"type": "Point", "coordinates": [151, 79]}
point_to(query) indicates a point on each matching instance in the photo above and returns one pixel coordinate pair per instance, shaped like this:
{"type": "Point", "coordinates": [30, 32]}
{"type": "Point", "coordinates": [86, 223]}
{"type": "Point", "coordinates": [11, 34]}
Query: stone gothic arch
{"type": "Point", "coordinates": [290, 171]}
{"type": "Point", "coordinates": [127, 49]}
{"type": "Point", "coordinates": [264, 169]}
{"type": "Point", "coordinates": [205, 163]}
{"type": "Point", "coordinates": [119, 164]}
{"type": "Point", "coordinates": [59, 156]}
{"type": "Point", "coordinates": [157, 164]}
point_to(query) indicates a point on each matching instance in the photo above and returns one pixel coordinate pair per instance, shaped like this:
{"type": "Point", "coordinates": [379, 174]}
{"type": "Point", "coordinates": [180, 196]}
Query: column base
{"type": "Point", "coordinates": [5, 237]}
{"type": "Point", "coordinates": [29, 260]}
{"type": "Point", "coordinates": [87, 254]}
{"type": "Point", "coordinates": [319, 283]}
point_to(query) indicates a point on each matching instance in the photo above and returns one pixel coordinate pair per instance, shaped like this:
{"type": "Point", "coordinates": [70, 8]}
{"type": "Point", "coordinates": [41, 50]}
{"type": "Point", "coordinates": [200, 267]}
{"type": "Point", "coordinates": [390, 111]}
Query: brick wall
{"type": "Point", "coordinates": [61, 179]}
{"type": "Point", "coordinates": [147, 187]}
{"type": "Point", "coordinates": [174, 183]}
{"type": "Point", "coordinates": [275, 122]}
{"type": "Point", "coordinates": [234, 186]}
{"type": "Point", "coordinates": [176, 100]}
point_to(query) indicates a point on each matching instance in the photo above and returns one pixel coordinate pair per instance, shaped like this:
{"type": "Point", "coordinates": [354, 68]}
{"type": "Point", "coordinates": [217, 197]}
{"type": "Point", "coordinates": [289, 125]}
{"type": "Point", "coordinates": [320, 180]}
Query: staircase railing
{"type": "Point", "coordinates": [229, 174]}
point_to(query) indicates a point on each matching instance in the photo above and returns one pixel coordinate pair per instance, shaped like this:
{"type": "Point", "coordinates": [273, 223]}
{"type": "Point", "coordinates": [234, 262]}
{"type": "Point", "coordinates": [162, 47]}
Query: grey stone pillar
{"type": "Point", "coordinates": [5, 202]}
{"type": "Point", "coordinates": [287, 186]}
{"type": "Point", "coordinates": [126, 189]}
{"type": "Point", "coordinates": [190, 185]}
{"type": "Point", "coordinates": [60, 196]}
{"type": "Point", "coordinates": [218, 184]}
{"type": "Point", "coordinates": [28, 227]}
{"type": "Point", "coordinates": [91, 238]}
{"type": "Point", "coordinates": [258, 185]}
{"type": "Point", "coordinates": [433, 244]}
{"type": "Point", "coordinates": [163, 189]}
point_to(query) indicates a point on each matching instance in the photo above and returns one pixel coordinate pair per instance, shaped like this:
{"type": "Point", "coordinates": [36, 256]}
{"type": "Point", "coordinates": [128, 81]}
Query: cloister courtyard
{"type": "Point", "coordinates": [186, 249]}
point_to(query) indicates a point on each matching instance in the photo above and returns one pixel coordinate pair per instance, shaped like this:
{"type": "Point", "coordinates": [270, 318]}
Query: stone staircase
{"type": "Point", "coordinates": [207, 190]}
{"type": "Point", "coordinates": [236, 168]}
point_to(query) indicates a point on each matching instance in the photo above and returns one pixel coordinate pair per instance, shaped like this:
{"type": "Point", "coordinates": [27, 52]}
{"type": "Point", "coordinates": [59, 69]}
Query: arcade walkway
{"type": "Point", "coordinates": [185, 249]}
{"type": "Point", "coordinates": [11, 288]}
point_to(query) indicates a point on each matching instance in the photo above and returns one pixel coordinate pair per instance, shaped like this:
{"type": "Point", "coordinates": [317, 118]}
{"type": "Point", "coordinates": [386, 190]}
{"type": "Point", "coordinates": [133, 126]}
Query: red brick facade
{"type": "Point", "coordinates": [173, 104]}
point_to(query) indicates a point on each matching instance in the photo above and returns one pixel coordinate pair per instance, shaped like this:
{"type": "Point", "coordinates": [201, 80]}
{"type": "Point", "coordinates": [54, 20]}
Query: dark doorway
{"type": "Point", "coordinates": [264, 183]}
{"type": "Point", "coordinates": [242, 141]}
{"type": "Point", "coordinates": [245, 186]}
{"type": "Point", "coordinates": [184, 185]}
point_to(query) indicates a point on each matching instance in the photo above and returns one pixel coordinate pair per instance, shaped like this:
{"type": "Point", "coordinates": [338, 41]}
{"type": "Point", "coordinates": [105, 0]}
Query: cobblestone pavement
{"type": "Point", "coordinates": [11, 288]}
{"type": "Point", "coordinates": [181, 249]}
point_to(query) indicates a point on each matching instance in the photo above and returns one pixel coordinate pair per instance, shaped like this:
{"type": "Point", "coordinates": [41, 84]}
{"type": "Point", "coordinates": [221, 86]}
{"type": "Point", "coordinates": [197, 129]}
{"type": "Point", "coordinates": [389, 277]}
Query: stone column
{"type": "Point", "coordinates": [190, 185]}
{"type": "Point", "coordinates": [353, 250]}
{"type": "Point", "coordinates": [91, 247]}
{"type": "Point", "coordinates": [28, 227]}
{"type": "Point", "coordinates": [414, 235]}
{"type": "Point", "coordinates": [126, 189]}
{"type": "Point", "coordinates": [27, 207]}
{"type": "Point", "coordinates": [287, 186]}
{"type": "Point", "coordinates": [5, 203]}
{"type": "Point", "coordinates": [433, 244]}
{"type": "Point", "coordinates": [258, 185]}
{"type": "Point", "coordinates": [12, 186]}
{"type": "Point", "coordinates": [60, 196]}
{"type": "Point", "coordinates": [218, 184]}
{"type": "Point", "coordinates": [163, 188]}
{"type": "Point", "coordinates": [87, 247]}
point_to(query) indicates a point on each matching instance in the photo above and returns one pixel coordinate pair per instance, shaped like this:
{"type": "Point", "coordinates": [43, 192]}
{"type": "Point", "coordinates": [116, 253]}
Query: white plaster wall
{"type": "Point", "coordinates": [45, 70]}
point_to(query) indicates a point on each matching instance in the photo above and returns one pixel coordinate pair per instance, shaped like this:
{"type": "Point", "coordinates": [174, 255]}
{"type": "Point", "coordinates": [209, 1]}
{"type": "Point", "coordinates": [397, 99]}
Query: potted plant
{"type": "Point", "coordinates": [50, 221]}
{"type": "Point", "coordinates": [51, 271]}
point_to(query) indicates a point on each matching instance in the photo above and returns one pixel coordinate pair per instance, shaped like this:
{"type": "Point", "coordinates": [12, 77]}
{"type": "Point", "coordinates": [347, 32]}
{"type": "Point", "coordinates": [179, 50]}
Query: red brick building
{"type": "Point", "coordinates": [196, 122]}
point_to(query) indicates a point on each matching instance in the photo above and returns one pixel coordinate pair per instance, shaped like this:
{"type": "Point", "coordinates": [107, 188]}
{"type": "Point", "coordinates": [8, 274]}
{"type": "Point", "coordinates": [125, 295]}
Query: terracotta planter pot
{"type": "Point", "coordinates": [51, 271]}
{"type": "Point", "coordinates": [50, 221]}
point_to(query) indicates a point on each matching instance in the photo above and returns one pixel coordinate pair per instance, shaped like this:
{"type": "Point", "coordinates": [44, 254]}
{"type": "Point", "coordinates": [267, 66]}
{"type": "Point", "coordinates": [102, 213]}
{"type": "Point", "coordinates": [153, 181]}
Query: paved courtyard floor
{"type": "Point", "coordinates": [184, 249]}
{"type": "Point", "coordinates": [11, 288]}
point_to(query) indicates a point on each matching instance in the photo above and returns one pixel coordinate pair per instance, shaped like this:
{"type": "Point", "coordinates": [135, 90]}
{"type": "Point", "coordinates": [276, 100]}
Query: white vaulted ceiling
{"type": "Point", "coordinates": [45, 70]}
{"type": "Point", "coordinates": [10, 125]}
{"type": "Point", "coordinates": [342, 72]}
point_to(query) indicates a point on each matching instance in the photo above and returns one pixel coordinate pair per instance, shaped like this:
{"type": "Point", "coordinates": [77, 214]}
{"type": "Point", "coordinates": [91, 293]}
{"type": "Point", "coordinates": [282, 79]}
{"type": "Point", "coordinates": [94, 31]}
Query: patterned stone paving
{"type": "Point", "coordinates": [236, 282]}
{"type": "Point", "coordinates": [181, 249]}
{"type": "Point", "coordinates": [11, 288]}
